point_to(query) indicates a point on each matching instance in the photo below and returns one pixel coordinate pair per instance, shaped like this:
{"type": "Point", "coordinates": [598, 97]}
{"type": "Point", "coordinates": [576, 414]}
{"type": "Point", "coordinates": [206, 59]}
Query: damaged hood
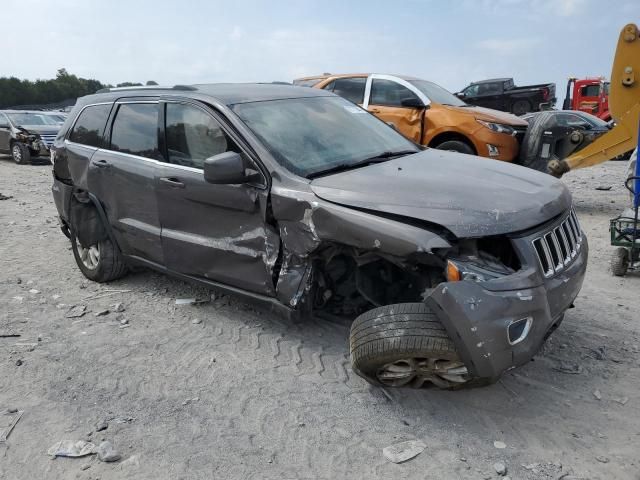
{"type": "Point", "coordinates": [40, 129]}
{"type": "Point", "coordinates": [470, 196]}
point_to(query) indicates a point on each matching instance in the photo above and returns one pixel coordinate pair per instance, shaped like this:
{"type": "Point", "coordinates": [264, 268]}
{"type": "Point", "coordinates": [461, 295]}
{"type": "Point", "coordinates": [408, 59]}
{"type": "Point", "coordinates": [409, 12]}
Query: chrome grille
{"type": "Point", "coordinates": [48, 139]}
{"type": "Point", "coordinates": [559, 246]}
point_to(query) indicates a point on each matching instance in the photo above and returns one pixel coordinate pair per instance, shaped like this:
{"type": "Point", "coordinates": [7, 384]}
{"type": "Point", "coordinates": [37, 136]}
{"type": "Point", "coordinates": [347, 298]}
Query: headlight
{"type": "Point", "coordinates": [458, 270]}
{"type": "Point", "coordinates": [497, 127]}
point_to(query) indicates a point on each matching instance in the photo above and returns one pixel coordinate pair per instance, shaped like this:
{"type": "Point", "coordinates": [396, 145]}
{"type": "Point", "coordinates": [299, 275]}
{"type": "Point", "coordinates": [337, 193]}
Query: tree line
{"type": "Point", "coordinates": [65, 86]}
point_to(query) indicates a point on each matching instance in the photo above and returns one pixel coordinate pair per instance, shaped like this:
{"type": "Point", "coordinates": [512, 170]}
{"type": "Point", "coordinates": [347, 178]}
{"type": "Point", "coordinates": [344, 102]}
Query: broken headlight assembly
{"type": "Point", "coordinates": [475, 269]}
{"type": "Point", "coordinates": [497, 127]}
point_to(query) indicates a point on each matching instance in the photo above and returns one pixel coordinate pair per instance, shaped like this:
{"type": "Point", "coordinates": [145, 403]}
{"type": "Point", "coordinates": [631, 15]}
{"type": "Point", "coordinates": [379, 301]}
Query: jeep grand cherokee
{"type": "Point", "coordinates": [453, 268]}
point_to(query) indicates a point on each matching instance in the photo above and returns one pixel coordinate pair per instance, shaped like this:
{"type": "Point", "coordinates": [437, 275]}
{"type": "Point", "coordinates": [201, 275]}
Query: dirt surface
{"type": "Point", "coordinates": [244, 394]}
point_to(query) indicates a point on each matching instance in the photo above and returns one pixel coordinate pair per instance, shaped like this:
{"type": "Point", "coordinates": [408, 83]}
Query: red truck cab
{"type": "Point", "coordinates": [589, 95]}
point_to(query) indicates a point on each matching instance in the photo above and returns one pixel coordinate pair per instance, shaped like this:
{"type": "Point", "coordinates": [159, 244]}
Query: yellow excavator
{"type": "Point", "coordinates": [624, 105]}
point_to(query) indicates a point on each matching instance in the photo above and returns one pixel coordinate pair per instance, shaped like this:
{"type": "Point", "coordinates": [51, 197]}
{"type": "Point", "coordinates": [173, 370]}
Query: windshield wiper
{"type": "Point", "coordinates": [378, 158]}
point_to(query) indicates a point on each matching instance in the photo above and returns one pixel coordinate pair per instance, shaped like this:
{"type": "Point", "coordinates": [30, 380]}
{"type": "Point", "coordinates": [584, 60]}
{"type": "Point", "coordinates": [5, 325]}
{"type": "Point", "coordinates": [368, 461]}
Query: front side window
{"type": "Point", "coordinates": [135, 130]}
{"type": "Point", "coordinates": [591, 91]}
{"type": "Point", "coordinates": [90, 125]}
{"type": "Point", "coordinates": [311, 135]}
{"type": "Point", "coordinates": [193, 136]}
{"type": "Point", "coordinates": [471, 91]}
{"type": "Point", "coordinates": [390, 93]}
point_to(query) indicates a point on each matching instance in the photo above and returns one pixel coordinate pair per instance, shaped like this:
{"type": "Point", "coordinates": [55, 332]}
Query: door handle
{"type": "Point", "coordinates": [172, 182]}
{"type": "Point", "coordinates": [101, 163]}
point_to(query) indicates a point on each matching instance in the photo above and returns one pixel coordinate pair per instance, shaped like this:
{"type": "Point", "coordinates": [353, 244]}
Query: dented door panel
{"type": "Point", "coordinates": [217, 232]}
{"type": "Point", "coordinates": [408, 121]}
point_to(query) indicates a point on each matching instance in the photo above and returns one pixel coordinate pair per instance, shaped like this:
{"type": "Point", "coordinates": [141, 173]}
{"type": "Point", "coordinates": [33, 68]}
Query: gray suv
{"type": "Point", "coordinates": [451, 270]}
{"type": "Point", "coordinates": [27, 134]}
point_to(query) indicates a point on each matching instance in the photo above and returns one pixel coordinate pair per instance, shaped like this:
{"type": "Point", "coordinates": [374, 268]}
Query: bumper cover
{"type": "Point", "coordinates": [477, 318]}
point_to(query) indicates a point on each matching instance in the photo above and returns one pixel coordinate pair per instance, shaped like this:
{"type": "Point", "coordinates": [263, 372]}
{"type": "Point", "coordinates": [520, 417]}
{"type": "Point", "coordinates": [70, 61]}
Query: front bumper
{"type": "Point", "coordinates": [505, 145]}
{"type": "Point", "coordinates": [477, 318]}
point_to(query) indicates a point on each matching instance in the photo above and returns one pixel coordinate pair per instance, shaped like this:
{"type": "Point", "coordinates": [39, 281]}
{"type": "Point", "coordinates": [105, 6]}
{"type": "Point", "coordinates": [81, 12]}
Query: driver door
{"type": "Point", "coordinates": [395, 103]}
{"type": "Point", "coordinates": [211, 231]}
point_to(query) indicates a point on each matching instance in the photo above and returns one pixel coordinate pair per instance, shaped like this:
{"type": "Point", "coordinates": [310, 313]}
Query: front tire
{"type": "Point", "coordinates": [620, 262]}
{"type": "Point", "coordinates": [101, 262]}
{"type": "Point", "coordinates": [405, 345]}
{"type": "Point", "coordinates": [20, 153]}
{"type": "Point", "coordinates": [456, 146]}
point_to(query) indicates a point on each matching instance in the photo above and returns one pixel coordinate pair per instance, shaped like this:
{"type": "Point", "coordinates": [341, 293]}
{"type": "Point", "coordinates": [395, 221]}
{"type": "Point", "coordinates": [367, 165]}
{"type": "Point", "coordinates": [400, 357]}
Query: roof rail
{"type": "Point", "coordinates": [146, 87]}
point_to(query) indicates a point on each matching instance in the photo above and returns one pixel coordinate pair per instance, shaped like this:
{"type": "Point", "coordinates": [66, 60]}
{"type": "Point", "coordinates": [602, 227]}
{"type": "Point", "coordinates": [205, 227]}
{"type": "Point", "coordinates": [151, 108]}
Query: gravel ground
{"type": "Point", "coordinates": [245, 394]}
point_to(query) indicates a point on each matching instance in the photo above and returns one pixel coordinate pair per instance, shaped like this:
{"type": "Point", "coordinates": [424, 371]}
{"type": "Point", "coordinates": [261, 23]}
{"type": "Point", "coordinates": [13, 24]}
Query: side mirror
{"type": "Point", "coordinates": [225, 168]}
{"type": "Point", "coordinates": [460, 94]}
{"type": "Point", "coordinates": [412, 102]}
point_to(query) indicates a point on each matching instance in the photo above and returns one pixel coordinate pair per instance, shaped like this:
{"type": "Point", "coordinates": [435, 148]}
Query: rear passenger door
{"type": "Point", "coordinates": [212, 231]}
{"type": "Point", "coordinates": [123, 177]}
{"type": "Point", "coordinates": [396, 103]}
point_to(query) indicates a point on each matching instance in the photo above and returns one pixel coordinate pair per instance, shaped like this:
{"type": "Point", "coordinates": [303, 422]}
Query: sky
{"type": "Point", "coordinates": [450, 42]}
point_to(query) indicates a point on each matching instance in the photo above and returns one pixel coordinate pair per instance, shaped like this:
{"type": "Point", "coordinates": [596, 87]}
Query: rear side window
{"type": "Point", "coordinates": [387, 92]}
{"type": "Point", "coordinates": [89, 125]}
{"type": "Point", "coordinates": [135, 130]}
{"type": "Point", "coordinates": [350, 88]}
{"type": "Point", "coordinates": [193, 136]}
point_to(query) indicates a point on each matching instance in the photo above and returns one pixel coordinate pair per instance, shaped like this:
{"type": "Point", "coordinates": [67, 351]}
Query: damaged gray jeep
{"type": "Point", "coordinates": [453, 269]}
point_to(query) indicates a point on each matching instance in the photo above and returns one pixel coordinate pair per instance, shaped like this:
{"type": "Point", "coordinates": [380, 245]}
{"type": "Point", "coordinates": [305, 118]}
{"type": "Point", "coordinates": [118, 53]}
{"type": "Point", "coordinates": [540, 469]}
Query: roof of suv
{"type": "Point", "coordinates": [227, 93]}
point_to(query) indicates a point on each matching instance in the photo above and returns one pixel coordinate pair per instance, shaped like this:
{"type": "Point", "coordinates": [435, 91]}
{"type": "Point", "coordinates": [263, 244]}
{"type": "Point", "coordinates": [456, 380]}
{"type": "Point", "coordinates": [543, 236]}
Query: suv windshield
{"type": "Point", "coordinates": [31, 119]}
{"type": "Point", "coordinates": [312, 135]}
{"type": "Point", "coordinates": [437, 94]}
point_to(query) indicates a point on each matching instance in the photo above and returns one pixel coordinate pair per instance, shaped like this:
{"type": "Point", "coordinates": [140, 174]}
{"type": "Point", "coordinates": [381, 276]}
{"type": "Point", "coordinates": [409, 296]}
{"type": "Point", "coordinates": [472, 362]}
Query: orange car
{"type": "Point", "coordinates": [428, 114]}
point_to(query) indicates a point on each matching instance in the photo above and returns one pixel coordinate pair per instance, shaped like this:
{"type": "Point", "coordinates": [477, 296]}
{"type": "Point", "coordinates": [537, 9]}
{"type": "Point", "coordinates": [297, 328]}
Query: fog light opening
{"type": "Point", "coordinates": [518, 330]}
{"type": "Point", "coordinates": [493, 150]}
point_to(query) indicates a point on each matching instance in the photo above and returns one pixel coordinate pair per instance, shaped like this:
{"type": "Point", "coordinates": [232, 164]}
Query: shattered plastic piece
{"type": "Point", "coordinates": [570, 368]}
{"type": "Point", "coordinates": [186, 301]}
{"type": "Point", "coordinates": [500, 445]}
{"type": "Point", "coordinates": [622, 401]}
{"type": "Point", "coordinates": [597, 394]}
{"type": "Point", "coordinates": [8, 421]}
{"type": "Point", "coordinates": [401, 452]}
{"type": "Point", "coordinates": [72, 448]}
{"type": "Point", "coordinates": [77, 311]}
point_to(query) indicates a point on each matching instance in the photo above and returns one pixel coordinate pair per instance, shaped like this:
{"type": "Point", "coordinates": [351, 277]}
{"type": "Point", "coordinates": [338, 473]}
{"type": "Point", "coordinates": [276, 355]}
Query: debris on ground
{"type": "Point", "coordinates": [401, 452]}
{"type": "Point", "coordinates": [76, 311]}
{"type": "Point", "coordinates": [5, 197]}
{"type": "Point", "coordinates": [621, 401]}
{"type": "Point", "coordinates": [597, 394]}
{"type": "Point", "coordinates": [71, 448]}
{"type": "Point", "coordinates": [603, 188]}
{"type": "Point", "coordinates": [192, 301]}
{"type": "Point", "coordinates": [102, 313]}
{"type": "Point", "coordinates": [102, 425]}
{"type": "Point", "coordinates": [9, 335]}
{"type": "Point", "coordinates": [104, 293]}
{"type": "Point", "coordinates": [118, 307]}
{"type": "Point", "coordinates": [602, 459]}
{"type": "Point", "coordinates": [500, 445]}
{"type": "Point", "coordinates": [196, 321]}
{"type": "Point", "coordinates": [500, 468]}
{"type": "Point", "coordinates": [19, 362]}
{"type": "Point", "coordinates": [191, 400]}
{"type": "Point", "coordinates": [107, 452]}
{"type": "Point", "coordinates": [569, 368]}
{"type": "Point", "coordinates": [7, 421]}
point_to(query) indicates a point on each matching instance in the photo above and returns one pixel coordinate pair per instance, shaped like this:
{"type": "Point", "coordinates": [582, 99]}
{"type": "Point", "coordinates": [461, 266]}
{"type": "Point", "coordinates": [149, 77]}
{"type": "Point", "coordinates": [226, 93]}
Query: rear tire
{"type": "Point", "coordinates": [456, 146]}
{"type": "Point", "coordinates": [620, 262]}
{"type": "Point", "coordinates": [405, 345]}
{"type": "Point", "coordinates": [106, 266]}
{"type": "Point", "coordinates": [521, 107]}
{"type": "Point", "coordinates": [20, 153]}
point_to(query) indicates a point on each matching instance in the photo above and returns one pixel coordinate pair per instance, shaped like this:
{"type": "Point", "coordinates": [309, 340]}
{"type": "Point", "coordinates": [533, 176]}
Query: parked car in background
{"type": "Point", "coordinates": [454, 269]}
{"type": "Point", "coordinates": [428, 114]}
{"type": "Point", "coordinates": [502, 94]}
{"type": "Point", "coordinates": [26, 134]}
{"type": "Point", "coordinates": [556, 134]}
{"type": "Point", "coordinates": [58, 117]}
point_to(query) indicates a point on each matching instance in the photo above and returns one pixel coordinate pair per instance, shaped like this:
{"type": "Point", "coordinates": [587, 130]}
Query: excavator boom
{"type": "Point", "coordinates": [624, 105]}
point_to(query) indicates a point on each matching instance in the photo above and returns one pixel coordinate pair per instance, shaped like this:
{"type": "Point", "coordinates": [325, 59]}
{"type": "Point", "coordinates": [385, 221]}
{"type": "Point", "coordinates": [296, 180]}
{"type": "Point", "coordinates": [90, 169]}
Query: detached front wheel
{"type": "Point", "coordinates": [405, 345]}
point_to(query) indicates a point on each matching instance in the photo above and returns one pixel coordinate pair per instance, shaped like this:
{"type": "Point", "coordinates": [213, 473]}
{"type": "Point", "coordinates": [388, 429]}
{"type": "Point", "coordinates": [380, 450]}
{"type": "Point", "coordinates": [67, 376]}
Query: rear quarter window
{"type": "Point", "coordinates": [89, 126]}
